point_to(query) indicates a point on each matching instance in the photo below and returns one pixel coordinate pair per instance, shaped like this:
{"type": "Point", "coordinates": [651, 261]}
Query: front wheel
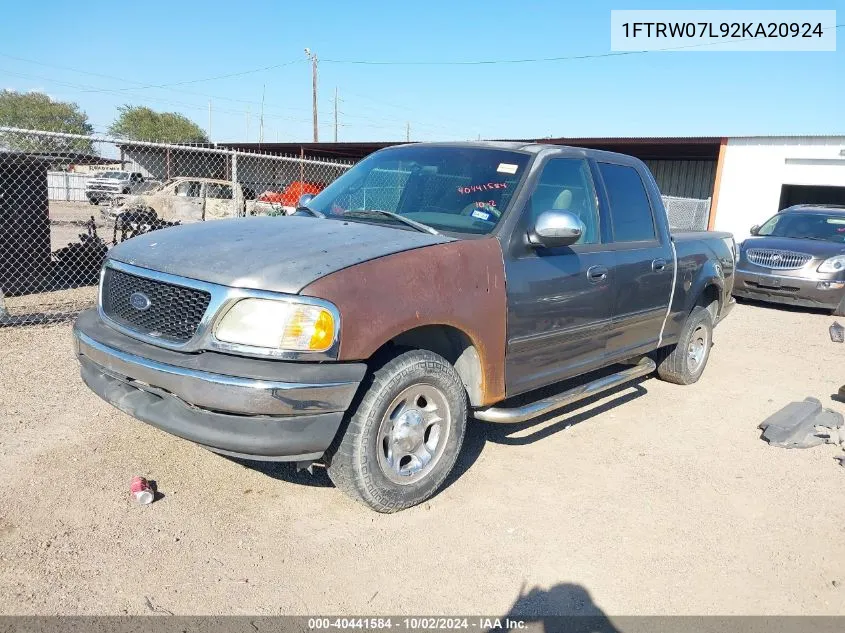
{"type": "Point", "coordinates": [405, 435]}
{"type": "Point", "coordinates": [684, 363]}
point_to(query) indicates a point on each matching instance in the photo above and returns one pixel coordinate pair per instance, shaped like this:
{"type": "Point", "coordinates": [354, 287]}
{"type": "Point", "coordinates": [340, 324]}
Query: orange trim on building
{"type": "Point", "coordinates": [714, 199]}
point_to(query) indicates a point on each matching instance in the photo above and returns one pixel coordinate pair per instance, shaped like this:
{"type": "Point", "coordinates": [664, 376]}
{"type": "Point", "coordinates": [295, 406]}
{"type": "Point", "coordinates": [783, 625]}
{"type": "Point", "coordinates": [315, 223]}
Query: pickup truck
{"type": "Point", "coordinates": [425, 287]}
{"type": "Point", "coordinates": [111, 184]}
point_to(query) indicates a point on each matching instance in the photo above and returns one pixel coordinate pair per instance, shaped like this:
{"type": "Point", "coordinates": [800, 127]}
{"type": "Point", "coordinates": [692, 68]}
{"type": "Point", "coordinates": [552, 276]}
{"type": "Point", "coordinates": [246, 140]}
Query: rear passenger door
{"type": "Point", "coordinates": [218, 201]}
{"type": "Point", "coordinates": [644, 262]}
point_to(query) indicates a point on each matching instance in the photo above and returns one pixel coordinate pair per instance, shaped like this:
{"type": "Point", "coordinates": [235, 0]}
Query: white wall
{"type": "Point", "coordinates": [755, 168]}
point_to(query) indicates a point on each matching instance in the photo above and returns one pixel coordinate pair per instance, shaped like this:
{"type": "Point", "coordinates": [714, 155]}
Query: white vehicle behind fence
{"type": "Point", "coordinates": [188, 199]}
{"type": "Point", "coordinates": [110, 184]}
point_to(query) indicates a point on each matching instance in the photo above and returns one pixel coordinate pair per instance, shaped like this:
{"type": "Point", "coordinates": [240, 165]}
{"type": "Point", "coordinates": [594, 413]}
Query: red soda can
{"type": "Point", "coordinates": [141, 490]}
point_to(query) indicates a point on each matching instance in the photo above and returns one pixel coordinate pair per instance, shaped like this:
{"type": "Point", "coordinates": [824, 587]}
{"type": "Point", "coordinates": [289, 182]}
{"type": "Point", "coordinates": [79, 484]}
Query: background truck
{"type": "Point", "coordinates": [429, 285]}
{"type": "Point", "coordinates": [189, 199]}
{"type": "Point", "coordinates": [109, 185]}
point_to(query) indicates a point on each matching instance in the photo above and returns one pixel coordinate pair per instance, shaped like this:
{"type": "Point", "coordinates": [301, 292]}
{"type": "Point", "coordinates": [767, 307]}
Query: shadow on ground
{"type": "Point", "coordinates": [783, 307]}
{"type": "Point", "coordinates": [563, 607]}
{"type": "Point", "coordinates": [479, 433]}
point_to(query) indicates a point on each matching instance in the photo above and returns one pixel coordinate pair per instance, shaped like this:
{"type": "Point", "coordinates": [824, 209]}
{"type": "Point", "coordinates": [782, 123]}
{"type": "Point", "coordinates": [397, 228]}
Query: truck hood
{"type": "Point", "coordinates": [276, 254]}
{"type": "Point", "coordinates": [817, 248]}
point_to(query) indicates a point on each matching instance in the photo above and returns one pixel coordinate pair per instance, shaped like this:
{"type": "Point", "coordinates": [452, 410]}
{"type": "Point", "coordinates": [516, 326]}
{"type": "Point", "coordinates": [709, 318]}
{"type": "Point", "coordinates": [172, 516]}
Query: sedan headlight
{"type": "Point", "coordinates": [282, 325]}
{"type": "Point", "coordinates": [833, 265]}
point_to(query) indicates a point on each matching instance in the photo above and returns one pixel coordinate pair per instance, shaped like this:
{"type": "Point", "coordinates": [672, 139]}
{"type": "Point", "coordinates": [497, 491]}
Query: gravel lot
{"type": "Point", "coordinates": [654, 499]}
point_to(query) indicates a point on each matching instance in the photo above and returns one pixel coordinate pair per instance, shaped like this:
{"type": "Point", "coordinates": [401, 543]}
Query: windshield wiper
{"type": "Point", "coordinates": [423, 228]}
{"type": "Point", "coordinates": [313, 212]}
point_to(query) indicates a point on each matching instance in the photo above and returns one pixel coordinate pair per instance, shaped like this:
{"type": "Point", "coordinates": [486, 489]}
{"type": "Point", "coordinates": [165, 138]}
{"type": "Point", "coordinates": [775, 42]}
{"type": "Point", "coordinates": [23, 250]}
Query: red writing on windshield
{"type": "Point", "coordinates": [489, 186]}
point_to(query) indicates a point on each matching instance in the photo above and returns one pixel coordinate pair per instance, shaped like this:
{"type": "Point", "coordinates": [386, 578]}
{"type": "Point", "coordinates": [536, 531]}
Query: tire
{"type": "Point", "coordinates": [684, 362]}
{"type": "Point", "coordinates": [416, 406]}
{"type": "Point", "coordinates": [840, 309]}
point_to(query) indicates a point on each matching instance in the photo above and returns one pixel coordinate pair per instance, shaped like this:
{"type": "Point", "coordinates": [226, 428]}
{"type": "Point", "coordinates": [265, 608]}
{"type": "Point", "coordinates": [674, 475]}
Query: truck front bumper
{"type": "Point", "coordinates": [244, 407]}
{"type": "Point", "coordinates": [798, 291]}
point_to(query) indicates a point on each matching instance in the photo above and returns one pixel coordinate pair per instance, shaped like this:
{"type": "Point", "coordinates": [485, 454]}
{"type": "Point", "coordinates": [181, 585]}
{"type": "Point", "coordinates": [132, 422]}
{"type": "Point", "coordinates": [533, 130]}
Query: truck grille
{"type": "Point", "coordinates": [772, 258]}
{"type": "Point", "coordinates": [173, 312]}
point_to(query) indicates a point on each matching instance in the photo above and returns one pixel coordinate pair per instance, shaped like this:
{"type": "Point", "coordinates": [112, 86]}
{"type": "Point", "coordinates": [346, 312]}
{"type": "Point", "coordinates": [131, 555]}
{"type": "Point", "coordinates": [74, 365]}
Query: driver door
{"type": "Point", "coordinates": [560, 300]}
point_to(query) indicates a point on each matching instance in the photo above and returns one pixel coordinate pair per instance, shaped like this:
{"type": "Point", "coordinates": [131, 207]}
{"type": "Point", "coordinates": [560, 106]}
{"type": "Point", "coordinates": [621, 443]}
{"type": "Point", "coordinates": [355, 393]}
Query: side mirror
{"type": "Point", "coordinates": [304, 199]}
{"type": "Point", "coordinates": [556, 228]}
{"type": "Point", "coordinates": [755, 229]}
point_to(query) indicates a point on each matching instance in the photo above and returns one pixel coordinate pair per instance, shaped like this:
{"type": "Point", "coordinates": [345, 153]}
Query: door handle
{"type": "Point", "coordinates": [658, 264]}
{"type": "Point", "coordinates": [596, 273]}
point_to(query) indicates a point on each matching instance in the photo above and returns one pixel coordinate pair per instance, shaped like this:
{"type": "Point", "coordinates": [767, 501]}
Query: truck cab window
{"type": "Point", "coordinates": [630, 210]}
{"type": "Point", "coordinates": [565, 184]}
{"type": "Point", "coordinates": [188, 189]}
{"type": "Point", "coordinates": [219, 192]}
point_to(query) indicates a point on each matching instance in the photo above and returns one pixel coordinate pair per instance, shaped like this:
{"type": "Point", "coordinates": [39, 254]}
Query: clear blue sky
{"type": "Point", "coordinates": [101, 54]}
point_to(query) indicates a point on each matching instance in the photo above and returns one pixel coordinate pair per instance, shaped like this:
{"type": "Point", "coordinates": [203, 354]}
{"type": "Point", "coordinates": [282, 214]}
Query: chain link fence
{"type": "Point", "coordinates": [687, 214]}
{"type": "Point", "coordinates": [66, 199]}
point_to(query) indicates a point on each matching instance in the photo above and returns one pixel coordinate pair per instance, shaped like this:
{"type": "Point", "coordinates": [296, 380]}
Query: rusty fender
{"type": "Point", "coordinates": [459, 284]}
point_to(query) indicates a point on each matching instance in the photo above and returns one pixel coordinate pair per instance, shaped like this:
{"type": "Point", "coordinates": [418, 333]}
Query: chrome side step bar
{"type": "Point", "coordinates": [540, 407]}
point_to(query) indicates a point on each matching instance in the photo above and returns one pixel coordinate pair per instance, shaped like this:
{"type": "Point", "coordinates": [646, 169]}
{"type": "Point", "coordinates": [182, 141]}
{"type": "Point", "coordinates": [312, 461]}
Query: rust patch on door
{"type": "Point", "coordinates": [460, 284]}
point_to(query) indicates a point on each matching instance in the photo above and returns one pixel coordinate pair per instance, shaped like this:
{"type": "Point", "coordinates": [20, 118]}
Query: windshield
{"type": "Point", "coordinates": [803, 225]}
{"type": "Point", "coordinates": [112, 174]}
{"type": "Point", "coordinates": [457, 189]}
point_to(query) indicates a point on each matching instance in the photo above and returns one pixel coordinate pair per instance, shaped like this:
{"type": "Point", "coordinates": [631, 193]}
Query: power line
{"type": "Point", "coordinates": [534, 60]}
{"type": "Point", "coordinates": [143, 98]}
{"type": "Point", "coordinates": [141, 86]}
{"type": "Point", "coordinates": [204, 79]}
{"type": "Point", "coordinates": [95, 89]}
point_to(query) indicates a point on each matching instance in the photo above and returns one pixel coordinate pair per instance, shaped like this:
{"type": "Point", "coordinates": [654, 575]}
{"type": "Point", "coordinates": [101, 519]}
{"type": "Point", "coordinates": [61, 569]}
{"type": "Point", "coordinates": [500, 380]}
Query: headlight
{"type": "Point", "coordinates": [833, 265]}
{"type": "Point", "coordinates": [283, 325]}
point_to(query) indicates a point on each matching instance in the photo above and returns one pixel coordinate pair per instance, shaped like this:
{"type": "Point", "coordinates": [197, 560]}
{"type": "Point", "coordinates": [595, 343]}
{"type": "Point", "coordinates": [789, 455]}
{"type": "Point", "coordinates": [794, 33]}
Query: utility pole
{"type": "Point", "coordinates": [335, 114]}
{"type": "Point", "coordinates": [209, 120]}
{"type": "Point", "coordinates": [313, 58]}
{"type": "Point", "coordinates": [261, 120]}
{"type": "Point", "coordinates": [408, 131]}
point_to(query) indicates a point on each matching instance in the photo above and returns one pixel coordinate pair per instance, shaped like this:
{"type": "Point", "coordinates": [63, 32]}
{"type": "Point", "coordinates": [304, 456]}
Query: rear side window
{"type": "Point", "coordinates": [218, 191]}
{"type": "Point", "coordinates": [630, 211]}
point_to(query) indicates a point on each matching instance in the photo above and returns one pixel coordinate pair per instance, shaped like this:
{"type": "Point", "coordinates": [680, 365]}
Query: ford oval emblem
{"type": "Point", "coordinates": [139, 301]}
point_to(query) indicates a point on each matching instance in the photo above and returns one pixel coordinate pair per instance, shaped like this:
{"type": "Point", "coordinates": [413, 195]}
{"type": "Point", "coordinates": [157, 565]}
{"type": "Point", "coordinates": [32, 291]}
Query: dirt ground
{"type": "Point", "coordinates": [656, 499]}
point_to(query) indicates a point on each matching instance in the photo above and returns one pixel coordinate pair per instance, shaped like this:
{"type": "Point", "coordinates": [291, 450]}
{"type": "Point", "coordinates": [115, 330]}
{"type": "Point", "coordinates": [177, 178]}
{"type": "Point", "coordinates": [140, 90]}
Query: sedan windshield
{"type": "Point", "coordinates": [453, 189]}
{"type": "Point", "coordinates": [808, 226]}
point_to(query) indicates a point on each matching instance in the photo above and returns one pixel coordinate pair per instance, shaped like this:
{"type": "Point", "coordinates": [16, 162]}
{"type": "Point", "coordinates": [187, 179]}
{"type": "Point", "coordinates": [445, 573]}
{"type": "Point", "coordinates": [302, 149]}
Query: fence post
{"type": "Point", "coordinates": [67, 187]}
{"type": "Point", "coordinates": [236, 197]}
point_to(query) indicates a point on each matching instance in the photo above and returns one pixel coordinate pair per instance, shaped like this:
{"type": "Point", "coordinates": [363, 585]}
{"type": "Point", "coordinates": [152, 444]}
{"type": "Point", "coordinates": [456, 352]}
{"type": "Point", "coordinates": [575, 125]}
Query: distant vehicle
{"type": "Point", "coordinates": [796, 257]}
{"type": "Point", "coordinates": [110, 184]}
{"type": "Point", "coordinates": [189, 200]}
{"type": "Point", "coordinates": [284, 202]}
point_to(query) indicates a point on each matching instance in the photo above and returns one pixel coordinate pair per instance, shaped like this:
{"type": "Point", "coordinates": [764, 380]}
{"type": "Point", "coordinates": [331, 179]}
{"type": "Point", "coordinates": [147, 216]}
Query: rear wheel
{"type": "Point", "coordinates": [405, 435]}
{"type": "Point", "coordinates": [684, 363]}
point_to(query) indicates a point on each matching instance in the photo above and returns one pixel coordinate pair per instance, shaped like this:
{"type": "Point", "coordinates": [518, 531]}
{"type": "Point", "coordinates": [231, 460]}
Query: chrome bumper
{"type": "Point", "coordinates": [245, 407]}
{"type": "Point", "coordinates": [217, 392]}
